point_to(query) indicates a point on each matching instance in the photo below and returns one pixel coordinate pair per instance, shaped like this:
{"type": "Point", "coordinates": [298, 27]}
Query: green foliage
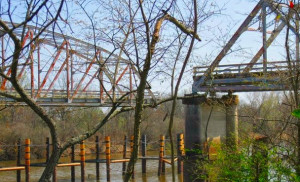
{"type": "Point", "coordinates": [194, 151]}
{"type": "Point", "coordinates": [296, 113]}
{"type": "Point", "coordinates": [253, 161]}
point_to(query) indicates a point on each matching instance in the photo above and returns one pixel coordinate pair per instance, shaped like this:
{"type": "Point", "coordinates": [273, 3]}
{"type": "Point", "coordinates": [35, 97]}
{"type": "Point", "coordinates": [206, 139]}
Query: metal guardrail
{"type": "Point", "coordinates": [240, 68]}
{"type": "Point", "coordinates": [86, 98]}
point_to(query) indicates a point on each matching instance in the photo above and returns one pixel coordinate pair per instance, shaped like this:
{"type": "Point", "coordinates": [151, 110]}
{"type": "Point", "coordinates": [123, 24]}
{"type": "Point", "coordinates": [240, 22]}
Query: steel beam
{"type": "Point", "coordinates": [264, 31]}
{"type": "Point", "coordinates": [83, 77]}
{"type": "Point", "coordinates": [50, 68]}
{"type": "Point", "coordinates": [261, 50]}
{"type": "Point", "coordinates": [245, 88]}
{"type": "Point", "coordinates": [228, 46]}
{"type": "Point", "coordinates": [28, 34]}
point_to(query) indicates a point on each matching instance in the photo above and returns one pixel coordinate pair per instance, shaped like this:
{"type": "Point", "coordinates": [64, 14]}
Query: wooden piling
{"type": "Point", "coordinates": [47, 149]}
{"type": "Point", "coordinates": [183, 146]}
{"type": "Point", "coordinates": [107, 143]}
{"type": "Point", "coordinates": [124, 155]}
{"type": "Point", "coordinates": [19, 159]}
{"type": "Point", "coordinates": [163, 170]}
{"type": "Point", "coordinates": [179, 153]}
{"type": "Point", "coordinates": [54, 177]}
{"type": "Point", "coordinates": [144, 153]}
{"type": "Point", "coordinates": [82, 161]}
{"type": "Point", "coordinates": [131, 151]}
{"type": "Point", "coordinates": [161, 154]}
{"type": "Point", "coordinates": [27, 160]}
{"type": "Point", "coordinates": [72, 161]}
{"type": "Point", "coordinates": [97, 159]}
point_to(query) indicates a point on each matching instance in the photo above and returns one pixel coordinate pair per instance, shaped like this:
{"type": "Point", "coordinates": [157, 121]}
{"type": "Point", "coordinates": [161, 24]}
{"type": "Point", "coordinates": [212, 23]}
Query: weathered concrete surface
{"type": "Point", "coordinates": [231, 125]}
{"type": "Point", "coordinates": [208, 120]}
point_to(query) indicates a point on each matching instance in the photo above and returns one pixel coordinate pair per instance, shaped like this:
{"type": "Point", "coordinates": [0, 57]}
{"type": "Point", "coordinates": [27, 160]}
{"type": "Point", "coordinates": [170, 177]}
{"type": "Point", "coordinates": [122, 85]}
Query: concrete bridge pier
{"type": "Point", "coordinates": [208, 122]}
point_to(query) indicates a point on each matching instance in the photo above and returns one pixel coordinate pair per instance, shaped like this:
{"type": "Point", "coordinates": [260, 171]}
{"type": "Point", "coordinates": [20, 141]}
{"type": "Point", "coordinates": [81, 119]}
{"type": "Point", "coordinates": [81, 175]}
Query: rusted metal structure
{"type": "Point", "coordinates": [59, 70]}
{"type": "Point", "coordinates": [256, 75]}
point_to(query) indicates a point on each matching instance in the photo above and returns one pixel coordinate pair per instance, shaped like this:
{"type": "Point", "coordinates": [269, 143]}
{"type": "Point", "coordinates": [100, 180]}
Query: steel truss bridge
{"type": "Point", "coordinates": [256, 75]}
{"type": "Point", "coordinates": [59, 70]}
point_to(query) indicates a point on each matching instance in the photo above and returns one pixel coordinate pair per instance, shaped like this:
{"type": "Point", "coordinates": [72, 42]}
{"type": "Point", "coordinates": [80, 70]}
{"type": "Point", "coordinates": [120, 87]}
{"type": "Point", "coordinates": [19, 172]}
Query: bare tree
{"type": "Point", "coordinates": [136, 30]}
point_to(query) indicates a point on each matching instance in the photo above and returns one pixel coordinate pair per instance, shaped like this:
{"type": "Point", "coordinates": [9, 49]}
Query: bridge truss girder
{"type": "Point", "coordinates": [210, 79]}
{"type": "Point", "coordinates": [66, 71]}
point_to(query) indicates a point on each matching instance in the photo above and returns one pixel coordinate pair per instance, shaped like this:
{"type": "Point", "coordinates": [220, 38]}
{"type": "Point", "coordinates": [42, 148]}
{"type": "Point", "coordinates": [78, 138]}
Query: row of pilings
{"type": "Point", "coordinates": [162, 158]}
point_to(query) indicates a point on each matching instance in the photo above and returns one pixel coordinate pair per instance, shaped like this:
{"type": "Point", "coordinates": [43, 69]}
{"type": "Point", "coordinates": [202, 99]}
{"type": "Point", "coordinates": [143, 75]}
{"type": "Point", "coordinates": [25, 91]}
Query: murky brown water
{"type": "Point", "coordinates": [64, 173]}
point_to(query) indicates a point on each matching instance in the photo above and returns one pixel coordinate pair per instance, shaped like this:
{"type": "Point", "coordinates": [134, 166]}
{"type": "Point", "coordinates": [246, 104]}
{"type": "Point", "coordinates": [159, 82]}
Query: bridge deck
{"type": "Point", "coordinates": [59, 98]}
{"type": "Point", "coordinates": [236, 78]}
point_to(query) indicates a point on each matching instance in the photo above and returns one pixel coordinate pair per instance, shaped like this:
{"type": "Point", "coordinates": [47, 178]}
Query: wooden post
{"type": "Point", "coordinates": [179, 153]}
{"type": "Point", "coordinates": [73, 160]}
{"type": "Point", "coordinates": [107, 142]}
{"type": "Point", "coordinates": [19, 160]}
{"type": "Point", "coordinates": [161, 154]}
{"type": "Point", "coordinates": [183, 145]}
{"type": "Point", "coordinates": [144, 153]}
{"type": "Point", "coordinates": [54, 176]}
{"type": "Point", "coordinates": [97, 158]}
{"type": "Point", "coordinates": [131, 150]}
{"type": "Point", "coordinates": [163, 169]}
{"type": "Point", "coordinates": [27, 160]}
{"type": "Point", "coordinates": [82, 161]}
{"type": "Point", "coordinates": [54, 179]}
{"type": "Point", "coordinates": [124, 155]}
{"type": "Point", "coordinates": [47, 149]}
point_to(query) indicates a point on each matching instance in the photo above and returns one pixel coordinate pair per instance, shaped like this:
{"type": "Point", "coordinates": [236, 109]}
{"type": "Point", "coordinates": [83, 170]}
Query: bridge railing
{"type": "Point", "coordinates": [83, 95]}
{"type": "Point", "coordinates": [239, 68]}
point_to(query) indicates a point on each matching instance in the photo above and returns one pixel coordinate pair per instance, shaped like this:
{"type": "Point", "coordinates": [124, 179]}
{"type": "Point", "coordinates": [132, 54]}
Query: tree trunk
{"type": "Point", "coordinates": [54, 158]}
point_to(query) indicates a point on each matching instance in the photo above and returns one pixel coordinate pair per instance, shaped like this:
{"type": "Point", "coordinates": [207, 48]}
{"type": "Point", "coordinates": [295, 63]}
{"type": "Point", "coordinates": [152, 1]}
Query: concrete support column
{"type": "Point", "coordinates": [232, 121]}
{"type": "Point", "coordinates": [208, 121]}
{"type": "Point", "coordinates": [192, 138]}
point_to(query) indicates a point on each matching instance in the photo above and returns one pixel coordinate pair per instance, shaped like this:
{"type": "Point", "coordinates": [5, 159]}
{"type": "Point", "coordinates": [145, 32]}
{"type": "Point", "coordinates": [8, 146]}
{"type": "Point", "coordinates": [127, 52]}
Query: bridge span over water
{"type": "Point", "coordinates": [59, 70]}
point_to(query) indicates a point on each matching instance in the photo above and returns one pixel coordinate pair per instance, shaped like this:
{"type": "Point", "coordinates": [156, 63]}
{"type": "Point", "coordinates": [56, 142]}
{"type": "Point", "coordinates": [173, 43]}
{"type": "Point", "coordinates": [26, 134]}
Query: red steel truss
{"type": "Point", "coordinates": [69, 72]}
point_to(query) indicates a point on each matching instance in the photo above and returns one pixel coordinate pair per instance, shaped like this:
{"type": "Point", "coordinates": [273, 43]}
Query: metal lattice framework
{"type": "Point", "coordinates": [59, 70]}
{"type": "Point", "coordinates": [255, 75]}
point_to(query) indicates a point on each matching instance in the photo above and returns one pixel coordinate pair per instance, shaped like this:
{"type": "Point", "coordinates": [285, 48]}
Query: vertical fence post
{"type": "Point", "coordinates": [54, 179]}
{"type": "Point", "coordinates": [161, 154]}
{"type": "Point", "coordinates": [163, 169]}
{"type": "Point", "coordinates": [179, 153]}
{"type": "Point", "coordinates": [47, 149]}
{"type": "Point", "coordinates": [27, 159]}
{"type": "Point", "coordinates": [19, 160]}
{"type": "Point", "coordinates": [97, 158]}
{"type": "Point", "coordinates": [73, 160]}
{"type": "Point", "coordinates": [124, 155]}
{"type": "Point", "coordinates": [82, 161]}
{"type": "Point", "coordinates": [144, 153]}
{"type": "Point", "coordinates": [107, 151]}
{"type": "Point", "coordinates": [182, 147]}
{"type": "Point", "coordinates": [131, 150]}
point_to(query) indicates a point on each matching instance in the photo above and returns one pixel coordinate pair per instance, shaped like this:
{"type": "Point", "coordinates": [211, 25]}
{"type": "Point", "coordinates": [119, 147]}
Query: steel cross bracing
{"type": "Point", "coordinates": [255, 75]}
{"type": "Point", "coordinates": [59, 70]}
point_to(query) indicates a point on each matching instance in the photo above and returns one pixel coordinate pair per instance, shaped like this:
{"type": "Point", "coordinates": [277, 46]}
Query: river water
{"type": "Point", "coordinates": [64, 173]}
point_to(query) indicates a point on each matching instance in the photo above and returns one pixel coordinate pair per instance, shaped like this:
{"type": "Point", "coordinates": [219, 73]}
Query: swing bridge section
{"type": "Point", "coordinates": [258, 74]}
{"type": "Point", "coordinates": [59, 70]}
